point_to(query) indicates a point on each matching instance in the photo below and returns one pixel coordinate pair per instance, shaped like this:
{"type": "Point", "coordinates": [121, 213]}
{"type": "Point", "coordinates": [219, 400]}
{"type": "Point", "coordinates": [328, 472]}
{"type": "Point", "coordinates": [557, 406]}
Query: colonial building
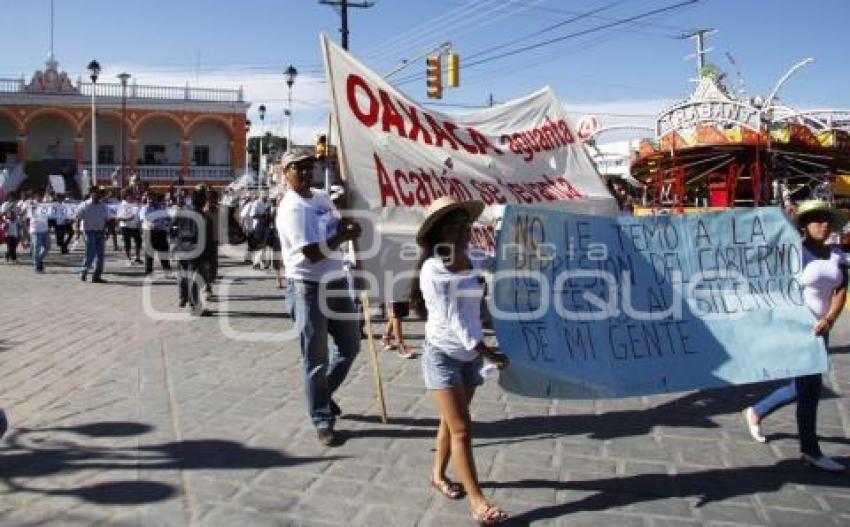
{"type": "Point", "coordinates": [196, 135]}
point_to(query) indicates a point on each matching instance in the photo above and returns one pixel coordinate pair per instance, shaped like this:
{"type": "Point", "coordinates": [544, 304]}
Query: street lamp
{"type": "Point", "coordinates": [247, 142]}
{"type": "Point", "coordinates": [262, 111]}
{"type": "Point", "coordinates": [124, 77]}
{"type": "Point", "coordinates": [289, 74]}
{"type": "Point", "coordinates": [94, 71]}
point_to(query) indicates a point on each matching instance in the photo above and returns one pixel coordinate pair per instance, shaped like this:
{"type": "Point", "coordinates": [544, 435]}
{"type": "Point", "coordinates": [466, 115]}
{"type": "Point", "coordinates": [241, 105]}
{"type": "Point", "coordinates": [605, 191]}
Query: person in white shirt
{"type": "Point", "coordinates": [131, 226]}
{"type": "Point", "coordinates": [448, 295]}
{"type": "Point", "coordinates": [155, 220]}
{"type": "Point", "coordinates": [258, 215]}
{"type": "Point", "coordinates": [24, 205]}
{"type": "Point", "coordinates": [824, 281]}
{"type": "Point", "coordinates": [62, 229]}
{"type": "Point", "coordinates": [10, 203]}
{"type": "Point", "coordinates": [311, 230]}
{"type": "Point", "coordinates": [246, 222]}
{"type": "Point", "coordinates": [12, 224]}
{"type": "Point", "coordinates": [39, 231]}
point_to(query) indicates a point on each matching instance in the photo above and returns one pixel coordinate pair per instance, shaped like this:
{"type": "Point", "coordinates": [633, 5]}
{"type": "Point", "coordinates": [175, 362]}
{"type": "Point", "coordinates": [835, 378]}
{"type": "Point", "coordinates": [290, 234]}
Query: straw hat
{"type": "Point", "coordinates": [808, 207]}
{"type": "Point", "coordinates": [294, 156]}
{"type": "Point", "coordinates": [442, 207]}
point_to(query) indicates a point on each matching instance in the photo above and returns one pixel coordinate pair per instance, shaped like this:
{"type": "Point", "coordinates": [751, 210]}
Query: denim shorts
{"type": "Point", "coordinates": [440, 371]}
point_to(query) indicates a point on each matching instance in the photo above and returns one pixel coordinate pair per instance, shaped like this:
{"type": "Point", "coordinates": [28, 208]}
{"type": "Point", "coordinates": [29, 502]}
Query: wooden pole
{"type": "Point", "coordinates": [376, 370]}
{"type": "Point", "coordinates": [343, 169]}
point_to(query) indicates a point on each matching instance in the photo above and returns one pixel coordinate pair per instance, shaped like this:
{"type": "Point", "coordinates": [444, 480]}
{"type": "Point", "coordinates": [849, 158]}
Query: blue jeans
{"type": "Point", "coordinates": [325, 367]}
{"type": "Point", "coordinates": [94, 252]}
{"type": "Point", "coordinates": [40, 247]}
{"type": "Point", "coordinates": [806, 391]}
{"type": "Point", "coordinates": [776, 400]}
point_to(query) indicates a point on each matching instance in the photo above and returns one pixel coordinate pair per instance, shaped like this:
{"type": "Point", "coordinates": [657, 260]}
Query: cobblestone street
{"type": "Point", "coordinates": [123, 412]}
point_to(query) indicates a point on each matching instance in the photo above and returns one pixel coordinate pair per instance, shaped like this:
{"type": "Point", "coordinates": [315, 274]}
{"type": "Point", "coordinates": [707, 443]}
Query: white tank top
{"type": "Point", "coordinates": [820, 277]}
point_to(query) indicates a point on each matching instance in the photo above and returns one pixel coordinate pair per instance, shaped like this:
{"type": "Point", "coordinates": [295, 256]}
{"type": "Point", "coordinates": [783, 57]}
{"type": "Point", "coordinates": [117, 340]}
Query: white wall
{"type": "Point", "coordinates": [215, 136]}
{"type": "Point", "coordinates": [50, 137]}
{"type": "Point", "coordinates": [160, 132]}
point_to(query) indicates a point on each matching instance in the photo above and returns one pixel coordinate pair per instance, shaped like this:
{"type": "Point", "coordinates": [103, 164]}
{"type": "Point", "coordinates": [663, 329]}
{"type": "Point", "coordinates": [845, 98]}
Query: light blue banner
{"type": "Point", "coordinates": [595, 307]}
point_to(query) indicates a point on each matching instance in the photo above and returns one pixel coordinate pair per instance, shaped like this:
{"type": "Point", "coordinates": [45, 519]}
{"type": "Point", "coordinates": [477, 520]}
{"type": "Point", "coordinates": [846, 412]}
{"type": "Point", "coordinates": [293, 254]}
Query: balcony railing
{"type": "Point", "coordinates": [147, 172]}
{"type": "Point", "coordinates": [196, 173]}
{"type": "Point", "coordinates": [211, 172]}
{"type": "Point", "coordinates": [138, 91]}
{"type": "Point", "coordinates": [104, 171]}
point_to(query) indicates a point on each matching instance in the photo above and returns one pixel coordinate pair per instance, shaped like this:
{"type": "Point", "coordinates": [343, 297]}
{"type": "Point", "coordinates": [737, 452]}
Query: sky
{"type": "Point", "coordinates": [612, 58]}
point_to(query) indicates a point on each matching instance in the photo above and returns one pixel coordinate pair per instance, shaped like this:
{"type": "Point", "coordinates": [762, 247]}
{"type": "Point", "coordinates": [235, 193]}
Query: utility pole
{"type": "Point", "coordinates": [699, 35]}
{"type": "Point", "coordinates": [491, 101]}
{"type": "Point", "coordinates": [343, 6]}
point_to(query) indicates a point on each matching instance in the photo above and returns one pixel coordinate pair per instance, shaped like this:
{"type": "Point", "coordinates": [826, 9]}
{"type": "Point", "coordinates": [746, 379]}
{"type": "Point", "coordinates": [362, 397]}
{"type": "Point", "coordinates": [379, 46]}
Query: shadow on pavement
{"type": "Point", "coordinates": [693, 410]}
{"type": "Point", "coordinates": [245, 298]}
{"type": "Point", "coordinates": [247, 314]}
{"type": "Point", "coordinates": [708, 486]}
{"type": "Point", "coordinates": [31, 454]}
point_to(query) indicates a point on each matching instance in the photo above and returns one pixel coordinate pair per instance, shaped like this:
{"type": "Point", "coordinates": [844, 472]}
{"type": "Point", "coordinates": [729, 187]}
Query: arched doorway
{"type": "Point", "coordinates": [9, 134]}
{"type": "Point", "coordinates": [210, 145]}
{"type": "Point", "coordinates": [50, 149]}
{"type": "Point", "coordinates": [158, 148]}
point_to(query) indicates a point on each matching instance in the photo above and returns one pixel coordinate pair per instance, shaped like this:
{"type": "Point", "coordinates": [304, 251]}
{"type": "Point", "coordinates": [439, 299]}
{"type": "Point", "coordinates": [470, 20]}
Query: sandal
{"type": "Point", "coordinates": [406, 353]}
{"type": "Point", "coordinates": [389, 342]}
{"type": "Point", "coordinates": [489, 515]}
{"type": "Point", "coordinates": [449, 488]}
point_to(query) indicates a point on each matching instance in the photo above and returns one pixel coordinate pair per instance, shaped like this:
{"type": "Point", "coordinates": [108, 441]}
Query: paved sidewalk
{"type": "Point", "coordinates": [121, 419]}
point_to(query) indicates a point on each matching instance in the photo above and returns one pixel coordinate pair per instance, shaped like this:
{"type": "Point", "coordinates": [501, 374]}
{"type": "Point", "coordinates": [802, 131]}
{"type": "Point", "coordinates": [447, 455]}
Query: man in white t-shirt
{"type": "Point", "coordinates": [63, 229]}
{"type": "Point", "coordinates": [311, 231]}
{"type": "Point", "coordinates": [259, 221]}
{"type": "Point", "coordinates": [25, 205]}
{"type": "Point", "coordinates": [131, 226]}
{"type": "Point", "coordinates": [39, 230]}
{"type": "Point", "coordinates": [246, 223]}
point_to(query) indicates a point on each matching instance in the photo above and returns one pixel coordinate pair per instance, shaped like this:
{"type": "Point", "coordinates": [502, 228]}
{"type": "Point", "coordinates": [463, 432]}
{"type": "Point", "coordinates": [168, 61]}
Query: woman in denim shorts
{"type": "Point", "coordinates": [448, 294]}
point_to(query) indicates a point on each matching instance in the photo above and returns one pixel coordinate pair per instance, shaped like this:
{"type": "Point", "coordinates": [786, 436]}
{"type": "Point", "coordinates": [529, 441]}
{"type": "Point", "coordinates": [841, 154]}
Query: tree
{"type": "Point", "coordinates": [272, 145]}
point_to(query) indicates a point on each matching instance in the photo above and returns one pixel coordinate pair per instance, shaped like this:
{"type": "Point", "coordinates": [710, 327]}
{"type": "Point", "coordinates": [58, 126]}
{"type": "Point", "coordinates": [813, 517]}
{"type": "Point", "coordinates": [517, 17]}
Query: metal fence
{"type": "Point", "coordinates": [137, 91]}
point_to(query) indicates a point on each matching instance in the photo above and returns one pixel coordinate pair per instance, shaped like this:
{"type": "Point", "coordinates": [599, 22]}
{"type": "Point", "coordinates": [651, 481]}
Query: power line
{"type": "Point", "coordinates": [463, 26]}
{"type": "Point", "coordinates": [546, 29]}
{"type": "Point", "coordinates": [393, 44]}
{"type": "Point", "coordinates": [551, 41]}
{"type": "Point", "coordinates": [550, 9]}
{"type": "Point", "coordinates": [584, 32]}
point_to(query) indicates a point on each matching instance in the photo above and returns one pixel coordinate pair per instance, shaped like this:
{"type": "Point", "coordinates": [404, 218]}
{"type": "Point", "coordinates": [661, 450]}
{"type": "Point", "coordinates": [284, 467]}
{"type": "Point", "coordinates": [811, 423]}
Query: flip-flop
{"type": "Point", "coordinates": [489, 515]}
{"type": "Point", "coordinates": [389, 342]}
{"type": "Point", "coordinates": [406, 353]}
{"type": "Point", "coordinates": [449, 489]}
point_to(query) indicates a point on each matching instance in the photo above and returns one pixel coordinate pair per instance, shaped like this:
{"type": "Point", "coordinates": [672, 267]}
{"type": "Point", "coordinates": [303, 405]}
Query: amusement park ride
{"type": "Point", "coordinates": [718, 149]}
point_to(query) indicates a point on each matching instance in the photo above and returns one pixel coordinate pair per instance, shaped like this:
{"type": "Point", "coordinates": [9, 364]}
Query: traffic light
{"type": "Point", "coordinates": [434, 77]}
{"type": "Point", "coordinates": [453, 80]}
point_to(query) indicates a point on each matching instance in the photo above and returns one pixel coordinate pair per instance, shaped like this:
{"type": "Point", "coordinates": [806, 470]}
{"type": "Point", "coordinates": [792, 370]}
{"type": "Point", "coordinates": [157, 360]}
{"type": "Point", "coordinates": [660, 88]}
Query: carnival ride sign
{"type": "Point", "coordinates": [691, 114]}
{"type": "Point", "coordinates": [709, 104]}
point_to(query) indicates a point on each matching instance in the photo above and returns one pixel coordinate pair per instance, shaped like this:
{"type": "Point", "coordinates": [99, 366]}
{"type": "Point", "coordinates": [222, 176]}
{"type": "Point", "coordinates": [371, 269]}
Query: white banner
{"type": "Point", "coordinates": [57, 182]}
{"type": "Point", "coordinates": [61, 212]}
{"type": "Point", "coordinates": [398, 157]}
